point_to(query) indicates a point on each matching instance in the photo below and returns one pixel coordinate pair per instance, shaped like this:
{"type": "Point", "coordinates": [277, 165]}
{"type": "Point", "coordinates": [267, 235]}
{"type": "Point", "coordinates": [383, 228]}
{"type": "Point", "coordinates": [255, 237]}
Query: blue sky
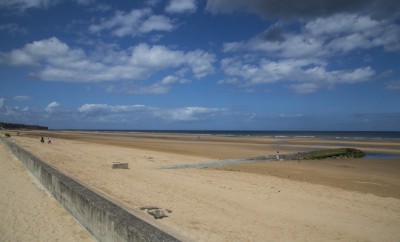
{"type": "Point", "coordinates": [201, 64]}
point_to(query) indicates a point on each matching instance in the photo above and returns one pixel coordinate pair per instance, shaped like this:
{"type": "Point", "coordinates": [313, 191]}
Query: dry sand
{"type": "Point", "coordinates": [28, 212]}
{"type": "Point", "coordinates": [345, 200]}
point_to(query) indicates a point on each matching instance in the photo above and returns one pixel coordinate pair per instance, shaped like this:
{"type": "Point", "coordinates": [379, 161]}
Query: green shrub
{"type": "Point", "coordinates": [7, 135]}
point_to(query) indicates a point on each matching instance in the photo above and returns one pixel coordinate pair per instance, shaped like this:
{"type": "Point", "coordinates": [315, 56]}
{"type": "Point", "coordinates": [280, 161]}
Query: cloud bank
{"type": "Point", "coordinates": [95, 114]}
{"type": "Point", "coordinates": [54, 60]}
{"type": "Point", "coordinates": [300, 57]}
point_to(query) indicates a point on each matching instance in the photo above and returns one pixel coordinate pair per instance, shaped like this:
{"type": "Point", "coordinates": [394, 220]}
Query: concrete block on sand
{"type": "Point", "coordinates": [120, 165]}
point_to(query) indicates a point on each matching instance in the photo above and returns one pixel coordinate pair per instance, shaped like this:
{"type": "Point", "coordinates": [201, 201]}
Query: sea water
{"type": "Point", "coordinates": [345, 135]}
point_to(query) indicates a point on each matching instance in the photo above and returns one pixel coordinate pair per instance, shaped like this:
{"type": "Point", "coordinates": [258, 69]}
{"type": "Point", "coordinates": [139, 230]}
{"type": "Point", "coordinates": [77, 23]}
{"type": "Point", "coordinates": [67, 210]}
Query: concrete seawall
{"type": "Point", "coordinates": [103, 219]}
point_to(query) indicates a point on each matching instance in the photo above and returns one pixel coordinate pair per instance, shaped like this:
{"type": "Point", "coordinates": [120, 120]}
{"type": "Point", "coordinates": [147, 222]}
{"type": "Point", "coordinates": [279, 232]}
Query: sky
{"type": "Point", "coordinates": [201, 64]}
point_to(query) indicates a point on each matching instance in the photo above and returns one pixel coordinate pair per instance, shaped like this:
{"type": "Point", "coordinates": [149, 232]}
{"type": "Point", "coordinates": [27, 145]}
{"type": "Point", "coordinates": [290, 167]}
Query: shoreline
{"type": "Point", "coordinates": [228, 203]}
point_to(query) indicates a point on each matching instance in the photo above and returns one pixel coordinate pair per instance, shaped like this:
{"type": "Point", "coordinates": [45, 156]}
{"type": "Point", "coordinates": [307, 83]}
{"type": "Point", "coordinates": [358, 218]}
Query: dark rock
{"type": "Point", "coordinates": [148, 208]}
{"type": "Point", "coordinates": [156, 212]}
{"type": "Point", "coordinates": [340, 153]}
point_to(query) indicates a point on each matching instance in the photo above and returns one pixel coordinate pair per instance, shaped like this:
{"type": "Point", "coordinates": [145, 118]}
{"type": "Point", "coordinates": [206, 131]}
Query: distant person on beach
{"type": "Point", "coordinates": [277, 155]}
{"type": "Point", "coordinates": [42, 140]}
{"type": "Point", "coordinates": [49, 141]}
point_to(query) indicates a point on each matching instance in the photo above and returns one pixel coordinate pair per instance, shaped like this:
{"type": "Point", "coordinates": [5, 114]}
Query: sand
{"type": "Point", "coordinates": [28, 212]}
{"type": "Point", "coordinates": [344, 200]}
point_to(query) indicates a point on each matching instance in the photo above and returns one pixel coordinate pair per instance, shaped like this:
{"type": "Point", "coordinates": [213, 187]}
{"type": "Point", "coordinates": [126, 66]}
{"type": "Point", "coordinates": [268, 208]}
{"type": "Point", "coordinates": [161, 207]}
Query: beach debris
{"type": "Point", "coordinates": [120, 165]}
{"type": "Point", "coordinates": [156, 212]}
{"type": "Point", "coordinates": [149, 208]}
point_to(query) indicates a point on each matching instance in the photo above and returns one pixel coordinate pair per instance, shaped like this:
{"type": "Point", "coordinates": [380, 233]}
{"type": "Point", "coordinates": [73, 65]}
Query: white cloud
{"type": "Point", "coordinates": [122, 23]}
{"type": "Point", "coordinates": [110, 113]}
{"type": "Point", "coordinates": [94, 114]}
{"type": "Point", "coordinates": [188, 113]}
{"type": "Point", "coordinates": [48, 48]}
{"type": "Point", "coordinates": [201, 63]}
{"type": "Point", "coordinates": [56, 61]}
{"type": "Point", "coordinates": [324, 37]}
{"type": "Point", "coordinates": [352, 32]}
{"type": "Point", "coordinates": [304, 76]}
{"type": "Point", "coordinates": [22, 98]}
{"type": "Point", "coordinates": [341, 24]}
{"type": "Point", "coordinates": [300, 57]}
{"type": "Point", "coordinates": [126, 111]}
{"type": "Point", "coordinates": [292, 46]}
{"type": "Point", "coordinates": [181, 6]}
{"type": "Point", "coordinates": [52, 107]}
{"type": "Point", "coordinates": [264, 71]}
{"type": "Point", "coordinates": [102, 109]}
{"type": "Point", "coordinates": [36, 51]}
{"type": "Point", "coordinates": [156, 23]}
{"type": "Point", "coordinates": [159, 87]}
{"type": "Point", "coordinates": [136, 22]}
{"type": "Point", "coordinates": [157, 56]}
{"type": "Point", "coordinates": [16, 57]}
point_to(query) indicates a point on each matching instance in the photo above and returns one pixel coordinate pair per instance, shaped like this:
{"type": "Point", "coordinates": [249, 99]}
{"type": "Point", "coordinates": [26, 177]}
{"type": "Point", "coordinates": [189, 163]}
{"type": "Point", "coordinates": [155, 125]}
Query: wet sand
{"type": "Point", "coordinates": [345, 200]}
{"type": "Point", "coordinates": [374, 176]}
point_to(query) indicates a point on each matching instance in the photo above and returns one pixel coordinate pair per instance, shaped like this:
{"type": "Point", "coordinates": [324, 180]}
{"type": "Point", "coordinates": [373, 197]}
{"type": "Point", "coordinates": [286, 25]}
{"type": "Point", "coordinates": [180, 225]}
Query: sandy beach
{"type": "Point", "coordinates": [28, 212]}
{"type": "Point", "coordinates": [328, 200]}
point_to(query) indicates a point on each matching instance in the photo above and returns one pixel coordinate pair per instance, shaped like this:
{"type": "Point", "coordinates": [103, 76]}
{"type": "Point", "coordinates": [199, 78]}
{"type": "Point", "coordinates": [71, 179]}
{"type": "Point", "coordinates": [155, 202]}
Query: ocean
{"type": "Point", "coordinates": [345, 135]}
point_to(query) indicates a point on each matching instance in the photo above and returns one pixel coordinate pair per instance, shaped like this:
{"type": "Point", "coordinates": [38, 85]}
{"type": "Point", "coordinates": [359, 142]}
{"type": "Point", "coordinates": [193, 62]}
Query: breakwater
{"type": "Point", "coordinates": [105, 220]}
